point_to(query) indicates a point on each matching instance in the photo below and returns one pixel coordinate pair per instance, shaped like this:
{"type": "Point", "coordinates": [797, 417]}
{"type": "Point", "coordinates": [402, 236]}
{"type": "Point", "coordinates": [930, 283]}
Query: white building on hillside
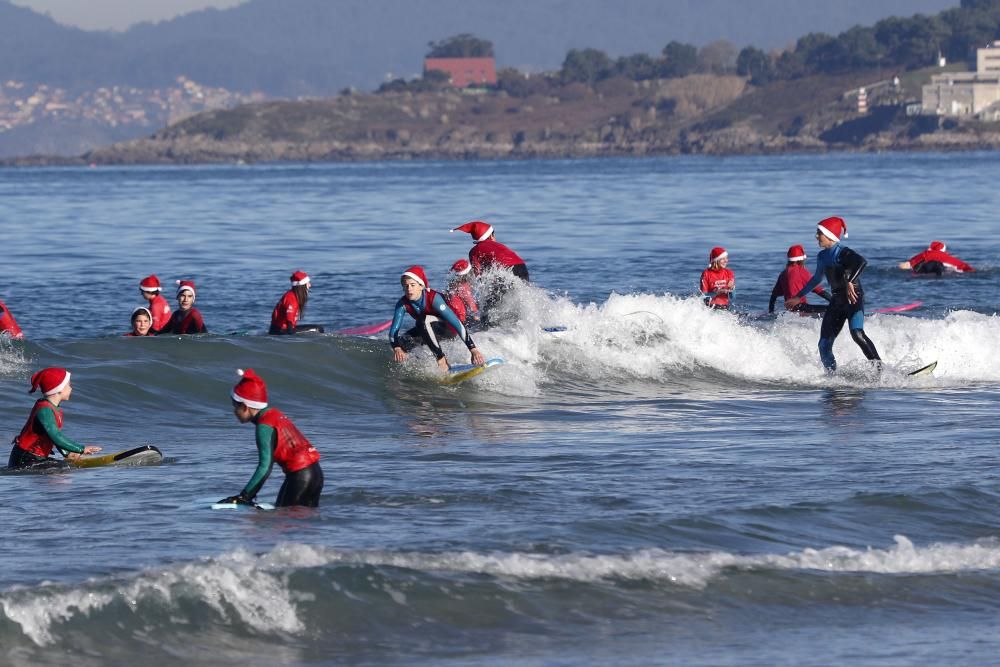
{"type": "Point", "coordinates": [967, 93]}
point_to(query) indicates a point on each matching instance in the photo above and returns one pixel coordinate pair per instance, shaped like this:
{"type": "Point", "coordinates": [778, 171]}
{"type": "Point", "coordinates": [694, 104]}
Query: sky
{"type": "Point", "coordinates": [118, 14]}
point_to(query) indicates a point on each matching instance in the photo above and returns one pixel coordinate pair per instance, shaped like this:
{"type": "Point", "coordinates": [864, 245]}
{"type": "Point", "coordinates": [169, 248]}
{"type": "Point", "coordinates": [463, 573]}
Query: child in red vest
{"type": "Point", "coordinates": [43, 431]}
{"type": "Point", "coordinates": [459, 295]}
{"type": "Point", "coordinates": [717, 282]}
{"type": "Point", "coordinates": [936, 260]}
{"type": "Point", "coordinates": [8, 324]}
{"type": "Point", "coordinates": [142, 322]}
{"type": "Point", "coordinates": [794, 278]}
{"type": "Point", "coordinates": [187, 319]}
{"type": "Point", "coordinates": [286, 314]}
{"type": "Point", "coordinates": [278, 441]}
{"type": "Point", "coordinates": [152, 292]}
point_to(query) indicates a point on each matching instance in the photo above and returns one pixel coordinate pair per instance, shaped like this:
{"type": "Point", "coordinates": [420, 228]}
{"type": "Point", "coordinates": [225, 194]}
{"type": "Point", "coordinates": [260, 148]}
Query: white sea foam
{"type": "Point", "coordinates": [13, 360]}
{"type": "Point", "coordinates": [249, 588]}
{"type": "Point", "coordinates": [254, 589]}
{"type": "Point", "coordinates": [662, 338]}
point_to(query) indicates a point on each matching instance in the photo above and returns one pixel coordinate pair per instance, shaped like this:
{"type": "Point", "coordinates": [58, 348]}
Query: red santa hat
{"type": "Point", "coordinates": [938, 245]}
{"type": "Point", "coordinates": [479, 230]}
{"type": "Point", "coordinates": [250, 390]}
{"type": "Point", "coordinates": [833, 228]}
{"type": "Point", "coordinates": [142, 309]}
{"type": "Point", "coordinates": [50, 380]}
{"type": "Point", "coordinates": [185, 285]}
{"type": "Point", "coordinates": [461, 267]}
{"type": "Point", "coordinates": [717, 254]}
{"type": "Point", "coordinates": [796, 253]}
{"type": "Point", "coordinates": [150, 284]}
{"type": "Point", "coordinates": [300, 278]}
{"type": "Point", "coordinates": [417, 273]}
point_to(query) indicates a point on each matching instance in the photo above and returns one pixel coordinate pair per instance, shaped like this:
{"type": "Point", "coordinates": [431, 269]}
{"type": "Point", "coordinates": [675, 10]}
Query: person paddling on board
{"type": "Point", "coordinates": [8, 325]}
{"type": "Point", "coordinates": [142, 322]}
{"type": "Point", "coordinates": [717, 281]}
{"type": "Point", "coordinates": [152, 292]}
{"type": "Point", "coordinates": [431, 312]}
{"type": "Point", "coordinates": [935, 260]}
{"type": "Point", "coordinates": [791, 280]}
{"type": "Point", "coordinates": [278, 441]}
{"type": "Point", "coordinates": [842, 268]}
{"type": "Point", "coordinates": [286, 314]}
{"type": "Point", "coordinates": [486, 256]}
{"type": "Point", "coordinates": [187, 319]}
{"type": "Point", "coordinates": [43, 431]}
{"type": "Point", "coordinates": [459, 295]}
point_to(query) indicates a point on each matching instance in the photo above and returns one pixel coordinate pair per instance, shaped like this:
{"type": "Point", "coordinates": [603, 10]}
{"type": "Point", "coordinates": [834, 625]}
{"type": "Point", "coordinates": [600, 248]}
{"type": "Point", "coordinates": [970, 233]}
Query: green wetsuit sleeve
{"type": "Point", "coordinates": [265, 460]}
{"type": "Point", "coordinates": [47, 419]}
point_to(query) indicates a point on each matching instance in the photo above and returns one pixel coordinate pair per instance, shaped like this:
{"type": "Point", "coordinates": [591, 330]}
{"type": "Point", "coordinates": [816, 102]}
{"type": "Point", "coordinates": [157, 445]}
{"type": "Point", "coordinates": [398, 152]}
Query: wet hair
{"type": "Point", "coordinates": [302, 294]}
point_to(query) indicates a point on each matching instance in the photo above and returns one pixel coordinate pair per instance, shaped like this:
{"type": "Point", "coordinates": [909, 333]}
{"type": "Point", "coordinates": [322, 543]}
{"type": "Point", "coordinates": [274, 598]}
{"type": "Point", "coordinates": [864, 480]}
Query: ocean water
{"type": "Point", "coordinates": [662, 484]}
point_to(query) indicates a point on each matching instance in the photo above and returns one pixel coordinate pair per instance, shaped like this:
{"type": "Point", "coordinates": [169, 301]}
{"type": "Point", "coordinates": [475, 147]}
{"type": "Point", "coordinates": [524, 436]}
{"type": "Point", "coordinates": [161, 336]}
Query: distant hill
{"type": "Point", "coordinates": [317, 47]}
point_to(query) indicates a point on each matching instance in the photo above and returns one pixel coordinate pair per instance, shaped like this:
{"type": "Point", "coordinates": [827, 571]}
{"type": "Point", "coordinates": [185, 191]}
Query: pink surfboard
{"type": "Point", "coordinates": [366, 330]}
{"type": "Point", "coordinates": [899, 309]}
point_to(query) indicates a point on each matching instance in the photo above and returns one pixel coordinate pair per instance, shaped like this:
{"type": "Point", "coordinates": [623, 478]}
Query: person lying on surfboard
{"type": "Point", "coordinates": [286, 314]}
{"type": "Point", "coordinates": [142, 322]}
{"type": "Point", "coordinates": [8, 325]}
{"type": "Point", "coordinates": [431, 312]}
{"type": "Point", "coordinates": [460, 297]}
{"type": "Point", "coordinates": [278, 441]}
{"type": "Point", "coordinates": [842, 268]}
{"type": "Point", "coordinates": [791, 280]}
{"type": "Point", "coordinates": [935, 260]}
{"type": "Point", "coordinates": [152, 292]}
{"type": "Point", "coordinates": [717, 281]}
{"type": "Point", "coordinates": [43, 431]}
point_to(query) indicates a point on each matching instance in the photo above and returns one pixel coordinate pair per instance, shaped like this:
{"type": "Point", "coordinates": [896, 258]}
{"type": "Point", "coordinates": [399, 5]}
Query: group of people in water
{"type": "Point", "coordinates": [842, 268]}
{"type": "Point", "coordinates": [277, 438]}
{"type": "Point", "coordinates": [453, 314]}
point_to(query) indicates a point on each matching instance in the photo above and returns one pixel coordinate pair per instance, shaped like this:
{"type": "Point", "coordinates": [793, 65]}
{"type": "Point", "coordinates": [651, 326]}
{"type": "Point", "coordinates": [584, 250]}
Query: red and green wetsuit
{"type": "Point", "coordinates": [279, 441]}
{"type": "Point", "coordinates": [41, 434]}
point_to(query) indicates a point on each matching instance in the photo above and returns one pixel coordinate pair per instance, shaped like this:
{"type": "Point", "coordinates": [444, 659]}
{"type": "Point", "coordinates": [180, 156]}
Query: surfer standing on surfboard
{"type": "Point", "coordinates": [488, 254]}
{"type": "Point", "coordinates": [278, 441]}
{"type": "Point", "coordinates": [842, 268]}
{"type": "Point", "coordinates": [431, 312]}
{"type": "Point", "coordinates": [43, 430]}
{"type": "Point", "coordinates": [791, 280]}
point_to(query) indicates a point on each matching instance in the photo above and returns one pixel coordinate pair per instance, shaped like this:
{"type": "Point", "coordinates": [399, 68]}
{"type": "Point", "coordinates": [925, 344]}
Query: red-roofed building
{"type": "Point", "coordinates": [465, 71]}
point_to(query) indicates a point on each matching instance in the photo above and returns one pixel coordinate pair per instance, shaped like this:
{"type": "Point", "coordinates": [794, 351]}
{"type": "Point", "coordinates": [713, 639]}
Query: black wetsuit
{"type": "Point", "coordinates": [840, 265]}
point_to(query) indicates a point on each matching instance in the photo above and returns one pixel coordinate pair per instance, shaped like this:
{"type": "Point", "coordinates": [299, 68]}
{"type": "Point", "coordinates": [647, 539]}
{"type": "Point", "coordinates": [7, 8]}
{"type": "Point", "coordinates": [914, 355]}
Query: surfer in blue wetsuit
{"type": "Point", "coordinates": [432, 314]}
{"type": "Point", "coordinates": [842, 268]}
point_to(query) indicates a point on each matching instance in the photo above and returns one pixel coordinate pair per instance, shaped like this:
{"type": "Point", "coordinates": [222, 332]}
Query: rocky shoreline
{"type": "Point", "coordinates": [702, 114]}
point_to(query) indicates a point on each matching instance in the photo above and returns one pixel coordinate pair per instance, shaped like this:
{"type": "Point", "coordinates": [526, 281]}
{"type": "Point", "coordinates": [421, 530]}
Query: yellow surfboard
{"type": "Point", "coordinates": [139, 456]}
{"type": "Point", "coordinates": [462, 372]}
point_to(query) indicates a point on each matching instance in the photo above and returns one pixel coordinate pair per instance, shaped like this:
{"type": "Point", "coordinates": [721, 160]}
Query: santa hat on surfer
{"type": "Point", "coordinates": [479, 230]}
{"type": "Point", "coordinates": [833, 228]}
{"type": "Point", "coordinates": [250, 390]}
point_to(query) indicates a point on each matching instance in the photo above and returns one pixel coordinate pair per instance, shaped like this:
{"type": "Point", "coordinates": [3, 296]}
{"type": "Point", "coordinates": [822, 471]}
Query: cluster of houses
{"type": "Point", "coordinates": [22, 104]}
